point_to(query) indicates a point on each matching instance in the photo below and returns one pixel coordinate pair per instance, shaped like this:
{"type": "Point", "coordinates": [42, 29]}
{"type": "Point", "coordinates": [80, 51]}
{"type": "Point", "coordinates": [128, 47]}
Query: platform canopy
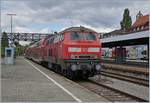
{"type": "Point", "coordinates": [138, 38]}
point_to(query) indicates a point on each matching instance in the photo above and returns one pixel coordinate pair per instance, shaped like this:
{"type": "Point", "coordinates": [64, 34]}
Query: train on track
{"type": "Point", "coordinates": [74, 52]}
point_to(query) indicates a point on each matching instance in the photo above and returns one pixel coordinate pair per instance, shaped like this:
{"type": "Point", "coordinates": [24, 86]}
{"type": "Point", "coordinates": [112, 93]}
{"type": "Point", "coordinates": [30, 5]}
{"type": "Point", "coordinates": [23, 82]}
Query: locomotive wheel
{"type": "Point", "coordinates": [71, 74]}
{"type": "Point", "coordinates": [85, 76]}
{"type": "Point", "coordinates": [64, 72]}
{"type": "Point", "coordinates": [49, 65]}
{"type": "Point", "coordinates": [45, 64]}
{"type": "Point", "coordinates": [58, 69]}
{"type": "Point", "coordinates": [55, 68]}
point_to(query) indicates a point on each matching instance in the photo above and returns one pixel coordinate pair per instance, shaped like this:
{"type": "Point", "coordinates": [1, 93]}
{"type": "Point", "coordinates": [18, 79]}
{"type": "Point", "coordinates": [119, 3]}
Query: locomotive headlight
{"type": "Point", "coordinates": [74, 49]}
{"type": "Point", "coordinates": [93, 49]}
{"type": "Point", "coordinates": [73, 67]}
{"type": "Point", "coordinates": [98, 67]}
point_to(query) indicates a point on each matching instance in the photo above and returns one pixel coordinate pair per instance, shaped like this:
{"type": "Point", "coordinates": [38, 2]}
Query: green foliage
{"type": "Point", "coordinates": [19, 50]}
{"type": "Point", "coordinates": [4, 43]}
{"type": "Point", "coordinates": [126, 21]}
{"type": "Point", "coordinates": [16, 43]}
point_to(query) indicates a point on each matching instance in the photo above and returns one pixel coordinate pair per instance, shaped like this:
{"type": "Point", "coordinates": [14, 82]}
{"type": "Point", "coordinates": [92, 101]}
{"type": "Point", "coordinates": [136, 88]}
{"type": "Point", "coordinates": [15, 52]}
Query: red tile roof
{"type": "Point", "coordinates": [141, 21]}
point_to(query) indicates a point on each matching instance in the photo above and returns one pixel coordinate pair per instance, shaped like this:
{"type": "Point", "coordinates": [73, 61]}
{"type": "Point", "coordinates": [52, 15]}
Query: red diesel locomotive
{"type": "Point", "coordinates": [74, 52]}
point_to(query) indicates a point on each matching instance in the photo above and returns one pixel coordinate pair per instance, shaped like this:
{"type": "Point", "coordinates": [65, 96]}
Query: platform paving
{"type": "Point", "coordinates": [127, 67]}
{"type": "Point", "coordinates": [22, 82]}
{"type": "Point", "coordinates": [127, 87]}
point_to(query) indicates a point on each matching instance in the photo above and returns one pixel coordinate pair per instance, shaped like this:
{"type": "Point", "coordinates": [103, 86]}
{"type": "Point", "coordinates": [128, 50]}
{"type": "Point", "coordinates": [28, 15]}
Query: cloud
{"type": "Point", "coordinates": [28, 30]}
{"type": "Point", "coordinates": [22, 29]}
{"type": "Point", "coordinates": [45, 30]}
{"type": "Point", "coordinates": [38, 16]}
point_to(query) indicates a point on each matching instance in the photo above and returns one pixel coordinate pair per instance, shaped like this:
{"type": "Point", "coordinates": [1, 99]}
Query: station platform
{"type": "Point", "coordinates": [144, 70]}
{"type": "Point", "coordinates": [132, 63]}
{"type": "Point", "coordinates": [127, 87]}
{"type": "Point", "coordinates": [27, 81]}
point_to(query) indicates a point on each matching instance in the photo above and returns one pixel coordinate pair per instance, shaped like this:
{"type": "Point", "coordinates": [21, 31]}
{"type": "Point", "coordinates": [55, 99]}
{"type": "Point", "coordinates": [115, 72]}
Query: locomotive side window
{"type": "Point", "coordinates": [75, 36]}
{"type": "Point", "coordinates": [90, 37]}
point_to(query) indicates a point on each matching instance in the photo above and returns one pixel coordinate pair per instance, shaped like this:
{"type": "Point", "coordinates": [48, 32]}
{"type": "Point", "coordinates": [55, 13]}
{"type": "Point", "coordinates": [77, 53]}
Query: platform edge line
{"type": "Point", "coordinates": [64, 89]}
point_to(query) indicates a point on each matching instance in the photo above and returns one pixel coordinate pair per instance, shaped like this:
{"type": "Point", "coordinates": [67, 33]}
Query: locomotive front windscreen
{"type": "Point", "coordinates": [90, 37]}
{"type": "Point", "coordinates": [75, 36]}
{"type": "Point", "coordinates": [78, 36]}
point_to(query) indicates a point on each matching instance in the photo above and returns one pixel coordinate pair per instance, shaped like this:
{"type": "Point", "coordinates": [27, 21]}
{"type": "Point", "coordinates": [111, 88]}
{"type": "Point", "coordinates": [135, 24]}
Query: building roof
{"type": "Point", "coordinates": [131, 36]}
{"type": "Point", "coordinates": [142, 20]}
{"type": "Point", "coordinates": [114, 33]}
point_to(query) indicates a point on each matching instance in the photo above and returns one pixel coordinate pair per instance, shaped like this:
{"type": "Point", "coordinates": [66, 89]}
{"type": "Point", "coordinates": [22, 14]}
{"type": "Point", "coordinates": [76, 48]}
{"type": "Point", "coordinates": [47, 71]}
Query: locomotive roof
{"type": "Point", "coordinates": [76, 29]}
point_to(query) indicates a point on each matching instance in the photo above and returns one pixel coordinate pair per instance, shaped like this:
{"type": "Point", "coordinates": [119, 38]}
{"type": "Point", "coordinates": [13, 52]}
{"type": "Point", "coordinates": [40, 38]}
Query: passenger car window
{"type": "Point", "coordinates": [90, 37]}
{"type": "Point", "coordinates": [75, 36]}
{"type": "Point", "coordinates": [56, 39]}
{"type": "Point", "coordinates": [36, 44]}
{"type": "Point", "coordinates": [50, 41]}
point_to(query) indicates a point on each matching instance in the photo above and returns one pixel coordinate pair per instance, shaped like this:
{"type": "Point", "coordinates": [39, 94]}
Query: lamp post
{"type": "Point", "coordinates": [11, 15]}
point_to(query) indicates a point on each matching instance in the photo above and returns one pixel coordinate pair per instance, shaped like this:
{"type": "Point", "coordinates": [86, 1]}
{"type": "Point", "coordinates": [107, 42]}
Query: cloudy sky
{"type": "Point", "coordinates": [46, 16]}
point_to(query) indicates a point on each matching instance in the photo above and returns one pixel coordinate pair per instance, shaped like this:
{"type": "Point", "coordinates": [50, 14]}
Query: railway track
{"type": "Point", "coordinates": [133, 70]}
{"type": "Point", "coordinates": [125, 77]}
{"type": "Point", "coordinates": [113, 95]}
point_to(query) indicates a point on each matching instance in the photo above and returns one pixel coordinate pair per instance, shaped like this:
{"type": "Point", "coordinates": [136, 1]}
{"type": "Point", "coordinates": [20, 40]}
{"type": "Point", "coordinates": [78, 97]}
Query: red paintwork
{"type": "Point", "coordinates": [60, 50]}
{"type": "Point", "coordinates": [114, 53]}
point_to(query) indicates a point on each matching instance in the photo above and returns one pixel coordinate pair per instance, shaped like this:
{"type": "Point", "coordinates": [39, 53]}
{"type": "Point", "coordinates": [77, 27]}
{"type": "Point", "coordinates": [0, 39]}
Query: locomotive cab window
{"type": "Point", "coordinates": [90, 37]}
{"type": "Point", "coordinates": [75, 36]}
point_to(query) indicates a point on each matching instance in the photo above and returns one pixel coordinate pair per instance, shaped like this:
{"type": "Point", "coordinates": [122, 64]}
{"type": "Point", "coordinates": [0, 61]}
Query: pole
{"type": "Point", "coordinates": [11, 32]}
{"type": "Point", "coordinates": [11, 15]}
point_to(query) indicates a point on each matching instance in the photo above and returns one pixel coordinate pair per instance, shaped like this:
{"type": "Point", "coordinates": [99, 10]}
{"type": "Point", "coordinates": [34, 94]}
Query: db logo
{"type": "Point", "coordinates": [84, 49]}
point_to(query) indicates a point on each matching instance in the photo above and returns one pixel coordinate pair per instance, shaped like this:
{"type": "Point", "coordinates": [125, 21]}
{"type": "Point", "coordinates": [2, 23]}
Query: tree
{"type": "Point", "coordinates": [126, 21]}
{"type": "Point", "coordinates": [4, 43]}
{"type": "Point", "coordinates": [16, 41]}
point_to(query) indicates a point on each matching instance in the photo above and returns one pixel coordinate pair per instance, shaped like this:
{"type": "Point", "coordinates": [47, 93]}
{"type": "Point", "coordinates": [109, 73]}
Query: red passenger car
{"type": "Point", "coordinates": [37, 51]}
{"type": "Point", "coordinates": [74, 52]}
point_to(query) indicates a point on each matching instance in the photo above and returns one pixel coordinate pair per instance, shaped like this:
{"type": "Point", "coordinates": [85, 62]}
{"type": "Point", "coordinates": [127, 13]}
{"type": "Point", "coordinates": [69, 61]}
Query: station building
{"type": "Point", "coordinates": [140, 25]}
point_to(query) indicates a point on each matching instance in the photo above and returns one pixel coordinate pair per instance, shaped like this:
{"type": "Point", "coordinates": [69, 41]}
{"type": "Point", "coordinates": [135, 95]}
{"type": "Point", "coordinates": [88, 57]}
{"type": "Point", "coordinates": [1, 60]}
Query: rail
{"type": "Point", "coordinates": [109, 93]}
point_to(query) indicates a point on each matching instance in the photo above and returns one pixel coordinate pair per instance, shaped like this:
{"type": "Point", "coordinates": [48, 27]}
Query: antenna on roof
{"type": "Point", "coordinates": [55, 32]}
{"type": "Point", "coordinates": [71, 22]}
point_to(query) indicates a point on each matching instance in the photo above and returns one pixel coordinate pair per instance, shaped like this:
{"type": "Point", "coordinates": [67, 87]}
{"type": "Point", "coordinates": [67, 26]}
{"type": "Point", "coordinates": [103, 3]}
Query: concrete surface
{"type": "Point", "coordinates": [128, 87]}
{"type": "Point", "coordinates": [23, 83]}
{"type": "Point", "coordinates": [127, 67]}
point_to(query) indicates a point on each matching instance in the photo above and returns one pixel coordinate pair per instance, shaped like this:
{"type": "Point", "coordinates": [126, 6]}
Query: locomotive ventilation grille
{"type": "Point", "coordinates": [83, 56]}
